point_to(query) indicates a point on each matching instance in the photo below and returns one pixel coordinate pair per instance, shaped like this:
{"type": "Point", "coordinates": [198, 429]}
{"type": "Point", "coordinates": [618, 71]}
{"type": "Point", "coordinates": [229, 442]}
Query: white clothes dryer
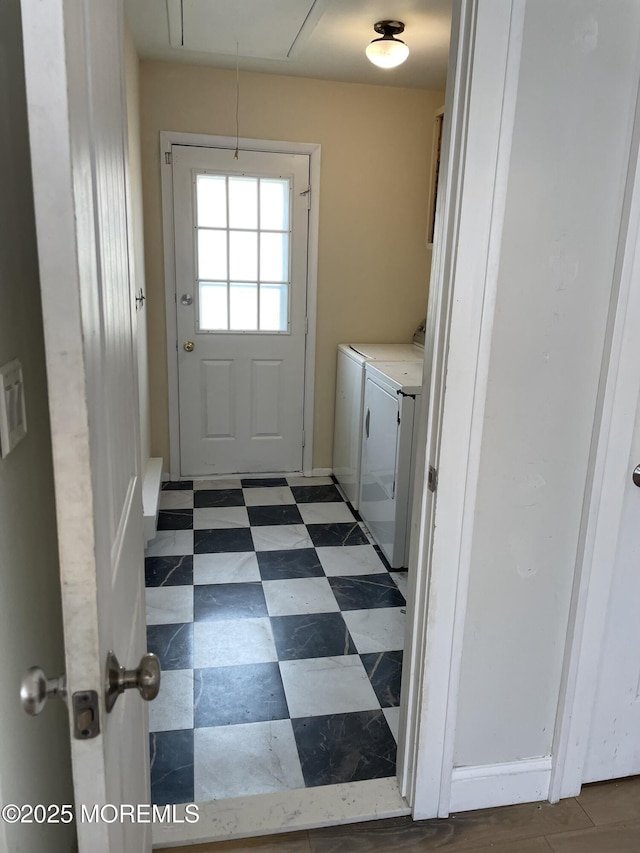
{"type": "Point", "coordinates": [350, 379]}
{"type": "Point", "coordinates": [392, 403]}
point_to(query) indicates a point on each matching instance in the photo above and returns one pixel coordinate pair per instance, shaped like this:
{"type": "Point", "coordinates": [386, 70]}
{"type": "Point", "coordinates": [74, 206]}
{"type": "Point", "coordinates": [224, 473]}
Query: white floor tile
{"type": "Point", "coordinates": [269, 496]}
{"type": "Point", "coordinates": [167, 605]}
{"type": "Point", "coordinates": [310, 481]}
{"type": "Point", "coordinates": [299, 595]}
{"type": "Point", "coordinates": [393, 719]}
{"type": "Point", "coordinates": [377, 630]}
{"type": "Point", "coordinates": [231, 642]}
{"type": "Point", "coordinates": [280, 537]}
{"type": "Point", "coordinates": [170, 543]}
{"type": "Point", "coordinates": [172, 708]}
{"type": "Point", "coordinates": [325, 513]}
{"type": "Point", "coordinates": [334, 685]}
{"type": "Point", "coordinates": [402, 582]}
{"type": "Point", "coordinates": [219, 517]}
{"type": "Point", "coordinates": [176, 499]}
{"type": "Point", "coordinates": [233, 567]}
{"type": "Point", "coordinates": [253, 758]}
{"type": "Point", "coordinates": [199, 485]}
{"type": "Point", "coordinates": [360, 560]}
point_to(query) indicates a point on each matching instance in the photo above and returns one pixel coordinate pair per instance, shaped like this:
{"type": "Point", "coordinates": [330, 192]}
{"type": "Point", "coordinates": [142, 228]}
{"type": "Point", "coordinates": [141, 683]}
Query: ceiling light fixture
{"type": "Point", "coordinates": [388, 51]}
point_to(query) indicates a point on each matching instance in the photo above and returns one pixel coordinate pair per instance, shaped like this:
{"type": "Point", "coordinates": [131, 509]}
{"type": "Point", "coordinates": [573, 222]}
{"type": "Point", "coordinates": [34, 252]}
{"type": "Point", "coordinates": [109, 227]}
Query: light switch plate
{"type": "Point", "coordinates": [13, 416]}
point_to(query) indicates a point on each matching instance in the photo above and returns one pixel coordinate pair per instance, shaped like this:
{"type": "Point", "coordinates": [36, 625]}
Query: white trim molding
{"type": "Point", "coordinates": [603, 506]}
{"type": "Point", "coordinates": [479, 115]}
{"type": "Point", "coordinates": [169, 138]}
{"type": "Point", "coordinates": [489, 785]}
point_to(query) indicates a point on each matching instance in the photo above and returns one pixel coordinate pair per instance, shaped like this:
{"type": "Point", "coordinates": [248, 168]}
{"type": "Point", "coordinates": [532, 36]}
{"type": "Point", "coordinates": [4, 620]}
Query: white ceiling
{"type": "Point", "coordinates": [305, 38]}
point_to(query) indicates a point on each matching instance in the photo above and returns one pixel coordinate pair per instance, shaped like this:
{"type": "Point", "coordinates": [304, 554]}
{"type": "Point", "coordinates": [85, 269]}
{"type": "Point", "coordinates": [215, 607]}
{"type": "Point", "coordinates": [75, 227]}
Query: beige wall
{"type": "Point", "coordinates": [34, 751]}
{"type": "Point", "coordinates": [376, 148]}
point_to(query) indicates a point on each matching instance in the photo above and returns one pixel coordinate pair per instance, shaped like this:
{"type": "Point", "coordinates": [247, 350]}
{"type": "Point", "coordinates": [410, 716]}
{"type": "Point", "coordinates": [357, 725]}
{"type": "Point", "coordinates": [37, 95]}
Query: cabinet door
{"type": "Point", "coordinates": [379, 455]}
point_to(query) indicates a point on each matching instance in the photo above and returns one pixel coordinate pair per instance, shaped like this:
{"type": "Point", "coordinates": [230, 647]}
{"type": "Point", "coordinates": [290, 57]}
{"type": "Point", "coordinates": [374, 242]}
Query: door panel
{"type": "Point", "coordinates": [240, 229]}
{"type": "Point", "coordinates": [614, 742]}
{"type": "Point", "coordinates": [73, 61]}
{"type": "Point", "coordinates": [379, 460]}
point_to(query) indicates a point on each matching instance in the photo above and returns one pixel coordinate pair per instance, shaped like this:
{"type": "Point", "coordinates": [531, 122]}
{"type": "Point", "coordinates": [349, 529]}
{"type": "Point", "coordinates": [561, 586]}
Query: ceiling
{"type": "Point", "coordinates": [304, 38]}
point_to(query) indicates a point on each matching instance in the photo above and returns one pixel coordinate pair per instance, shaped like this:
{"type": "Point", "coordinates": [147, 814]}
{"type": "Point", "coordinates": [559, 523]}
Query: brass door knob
{"type": "Point", "coordinates": [145, 678]}
{"type": "Point", "coordinates": [189, 346]}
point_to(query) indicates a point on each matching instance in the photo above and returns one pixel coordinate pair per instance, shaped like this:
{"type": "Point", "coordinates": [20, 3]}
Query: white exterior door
{"type": "Point", "coordinates": [73, 61]}
{"type": "Point", "coordinates": [241, 295]}
{"type": "Point", "coordinates": [614, 741]}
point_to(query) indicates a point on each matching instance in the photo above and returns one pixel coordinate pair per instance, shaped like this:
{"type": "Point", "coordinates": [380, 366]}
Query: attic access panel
{"type": "Point", "coordinates": [263, 29]}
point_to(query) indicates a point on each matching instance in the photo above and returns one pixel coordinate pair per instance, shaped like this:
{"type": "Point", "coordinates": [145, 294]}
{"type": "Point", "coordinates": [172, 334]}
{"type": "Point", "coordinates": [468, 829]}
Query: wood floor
{"type": "Point", "coordinates": [605, 818]}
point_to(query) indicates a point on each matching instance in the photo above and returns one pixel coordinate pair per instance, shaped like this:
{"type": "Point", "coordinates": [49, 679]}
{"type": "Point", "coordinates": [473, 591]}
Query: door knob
{"type": "Point", "coordinates": [36, 688]}
{"type": "Point", "coordinates": [146, 678]}
{"type": "Point", "coordinates": [636, 475]}
{"type": "Point", "coordinates": [189, 346]}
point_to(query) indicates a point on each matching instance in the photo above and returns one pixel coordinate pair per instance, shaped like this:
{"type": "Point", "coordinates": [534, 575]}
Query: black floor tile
{"type": "Point", "coordinates": [345, 748]}
{"type": "Point", "coordinates": [173, 644]}
{"type": "Point", "coordinates": [335, 534]}
{"type": "Point", "coordinates": [168, 571]}
{"type": "Point", "coordinates": [257, 483]}
{"type": "Point", "coordinates": [220, 541]}
{"type": "Point", "coordinates": [228, 695]}
{"type": "Point", "coordinates": [213, 602]}
{"type": "Point", "coordinates": [386, 562]}
{"type": "Point", "coordinates": [294, 563]}
{"type": "Point", "coordinates": [385, 673]}
{"type": "Point", "coordinates": [311, 635]}
{"type": "Point", "coordinates": [218, 497]}
{"type": "Point", "coordinates": [259, 516]}
{"type": "Point", "coordinates": [316, 494]}
{"type": "Point", "coordinates": [177, 485]}
{"type": "Point", "coordinates": [175, 519]}
{"type": "Point", "coordinates": [365, 592]}
{"type": "Point", "coordinates": [171, 767]}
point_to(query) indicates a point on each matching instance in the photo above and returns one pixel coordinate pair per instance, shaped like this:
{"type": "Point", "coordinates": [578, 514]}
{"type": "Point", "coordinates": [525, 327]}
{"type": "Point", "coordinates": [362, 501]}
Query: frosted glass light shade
{"type": "Point", "coordinates": [387, 52]}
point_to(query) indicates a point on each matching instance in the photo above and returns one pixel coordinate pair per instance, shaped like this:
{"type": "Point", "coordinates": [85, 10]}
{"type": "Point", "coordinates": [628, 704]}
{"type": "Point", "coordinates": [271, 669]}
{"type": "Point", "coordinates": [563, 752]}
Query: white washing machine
{"type": "Point", "coordinates": [392, 397]}
{"type": "Point", "coordinates": [350, 379]}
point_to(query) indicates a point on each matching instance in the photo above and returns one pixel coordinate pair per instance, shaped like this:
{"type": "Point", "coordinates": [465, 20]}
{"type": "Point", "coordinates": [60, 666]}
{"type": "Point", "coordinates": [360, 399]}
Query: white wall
{"type": "Point", "coordinates": [576, 98]}
{"type": "Point", "coordinates": [34, 752]}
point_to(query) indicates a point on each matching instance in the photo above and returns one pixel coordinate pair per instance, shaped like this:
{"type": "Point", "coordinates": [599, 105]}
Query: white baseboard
{"type": "Point", "coordinates": [319, 472]}
{"type": "Point", "coordinates": [151, 496]}
{"type": "Point", "coordinates": [488, 785]}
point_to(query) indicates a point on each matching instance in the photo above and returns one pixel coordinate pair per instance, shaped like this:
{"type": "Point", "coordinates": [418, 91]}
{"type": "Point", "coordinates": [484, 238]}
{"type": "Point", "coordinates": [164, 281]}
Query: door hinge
{"type": "Point", "coordinates": [432, 482]}
{"type": "Point", "coordinates": [398, 418]}
{"type": "Point", "coordinates": [303, 438]}
{"type": "Point", "coordinates": [306, 325]}
{"type": "Point", "coordinates": [167, 158]}
{"type": "Point", "coordinates": [307, 192]}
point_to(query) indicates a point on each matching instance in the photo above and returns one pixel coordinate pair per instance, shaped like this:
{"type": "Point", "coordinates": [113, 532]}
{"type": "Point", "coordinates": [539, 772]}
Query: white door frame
{"type": "Point", "coordinates": [604, 497]}
{"type": "Point", "coordinates": [479, 114]}
{"type": "Point", "coordinates": [169, 138]}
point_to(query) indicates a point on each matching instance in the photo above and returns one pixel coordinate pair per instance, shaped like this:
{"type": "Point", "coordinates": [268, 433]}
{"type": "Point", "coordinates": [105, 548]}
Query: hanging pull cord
{"type": "Point", "coordinates": [235, 155]}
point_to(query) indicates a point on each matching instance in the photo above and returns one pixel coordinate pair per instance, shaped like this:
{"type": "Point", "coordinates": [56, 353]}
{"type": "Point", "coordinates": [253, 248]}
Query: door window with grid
{"type": "Point", "coordinates": [242, 244]}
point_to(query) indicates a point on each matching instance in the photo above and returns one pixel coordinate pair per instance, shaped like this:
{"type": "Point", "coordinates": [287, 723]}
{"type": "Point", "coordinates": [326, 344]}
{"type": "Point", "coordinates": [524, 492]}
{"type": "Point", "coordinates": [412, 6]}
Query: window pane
{"type": "Point", "coordinates": [243, 202]}
{"type": "Point", "coordinates": [274, 257]}
{"type": "Point", "coordinates": [211, 199]}
{"type": "Point", "coordinates": [243, 249]}
{"type": "Point", "coordinates": [244, 306]}
{"type": "Point", "coordinates": [273, 307]}
{"type": "Point", "coordinates": [213, 305]}
{"type": "Point", "coordinates": [212, 254]}
{"type": "Point", "coordinates": [274, 204]}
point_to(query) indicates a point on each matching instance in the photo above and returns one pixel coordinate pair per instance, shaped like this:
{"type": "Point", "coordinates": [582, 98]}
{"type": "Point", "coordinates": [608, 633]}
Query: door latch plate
{"type": "Point", "coordinates": [86, 714]}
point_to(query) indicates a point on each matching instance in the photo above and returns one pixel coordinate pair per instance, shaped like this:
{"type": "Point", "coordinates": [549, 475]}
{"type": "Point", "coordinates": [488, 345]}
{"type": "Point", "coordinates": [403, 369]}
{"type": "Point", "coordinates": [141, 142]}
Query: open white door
{"type": "Point", "coordinates": [73, 61]}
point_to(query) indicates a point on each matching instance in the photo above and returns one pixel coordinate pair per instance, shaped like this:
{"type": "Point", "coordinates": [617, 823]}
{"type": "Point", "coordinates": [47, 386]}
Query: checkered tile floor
{"type": "Point", "coordinates": [279, 628]}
